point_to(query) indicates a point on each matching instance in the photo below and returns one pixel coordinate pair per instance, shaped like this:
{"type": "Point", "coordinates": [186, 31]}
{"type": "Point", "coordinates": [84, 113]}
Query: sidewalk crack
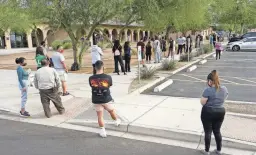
{"type": "Point", "coordinates": [127, 130]}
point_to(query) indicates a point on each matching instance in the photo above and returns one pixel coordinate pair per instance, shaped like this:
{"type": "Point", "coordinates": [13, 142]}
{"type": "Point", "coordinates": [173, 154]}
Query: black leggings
{"type": "Point", "coordinates": [127, 59]}
{"type": "Point", "coordinates": [118, 59]}
{"type": "Point", "coordinates": [148, 56]}
{"type": "Point", "coordinates": [218, 54]}
{"type": "Point", "coordinates": [212, 119]}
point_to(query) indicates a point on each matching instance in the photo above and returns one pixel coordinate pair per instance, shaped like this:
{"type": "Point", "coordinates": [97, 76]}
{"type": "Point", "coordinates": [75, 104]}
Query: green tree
{"type": "Point", "coordinates": [77, 16]}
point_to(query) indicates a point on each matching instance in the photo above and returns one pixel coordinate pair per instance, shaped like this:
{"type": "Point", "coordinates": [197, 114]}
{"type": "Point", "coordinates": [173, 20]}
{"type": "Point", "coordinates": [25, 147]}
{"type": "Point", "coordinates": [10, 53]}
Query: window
{"type": "Point", "coordinates": [248, 40]}
{"type": "Point", "coordinates": [253, 39]}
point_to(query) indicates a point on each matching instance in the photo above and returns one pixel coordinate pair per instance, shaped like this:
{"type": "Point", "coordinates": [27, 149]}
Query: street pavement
{"type": "Point", "coordinates": [29, 139]}
{"type": "Point", "coordinates": [236, 71]}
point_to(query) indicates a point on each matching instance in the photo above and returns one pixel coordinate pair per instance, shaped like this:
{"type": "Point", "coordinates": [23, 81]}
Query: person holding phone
{"type": "Point", "coordinates": [213, 111]}
{"type": "Point", "coordinates": [58, 60]}
{"type": "Point", "coordinates": [23, 84]}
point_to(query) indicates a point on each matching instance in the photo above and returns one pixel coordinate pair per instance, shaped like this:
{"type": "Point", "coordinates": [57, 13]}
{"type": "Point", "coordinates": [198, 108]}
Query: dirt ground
{"type": "Point", "coordinates": [8, 61]}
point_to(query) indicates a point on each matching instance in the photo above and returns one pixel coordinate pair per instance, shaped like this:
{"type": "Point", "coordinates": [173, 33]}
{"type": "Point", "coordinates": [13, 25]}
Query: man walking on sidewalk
{"type": "Point", "coordinates": [101, 97]}
{"type": "Point", "coordinates": [47, 81]}
{"type": "Point", "coordinates": [97, 53]}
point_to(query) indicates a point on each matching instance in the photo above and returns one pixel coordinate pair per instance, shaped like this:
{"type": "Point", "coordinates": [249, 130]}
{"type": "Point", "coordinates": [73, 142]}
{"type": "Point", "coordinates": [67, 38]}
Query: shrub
{"type": "Point", "coordinates": [67, 45]}
{"type": "Point", "coordinates": [66, 41]}
{"type": "Point", "coordinates": [109, 45]}
{"type": "Point", "coordinates": [207, 49]}
{"type": "Point", "coordinates": [147, 73]}
{"type": "Point", "coordinates": [168, 64]}
{"type": "Point", "coordinates": [184, 57]}
{"type": "Point", "coordinates": [56, 43]}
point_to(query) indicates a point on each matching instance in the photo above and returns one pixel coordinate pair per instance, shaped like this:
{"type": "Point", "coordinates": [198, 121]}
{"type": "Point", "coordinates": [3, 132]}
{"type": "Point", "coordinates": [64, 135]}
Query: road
{"type": "Point", "coordinates": [237, 72]}
{"type": "Point", "coordinates": [29, 139]}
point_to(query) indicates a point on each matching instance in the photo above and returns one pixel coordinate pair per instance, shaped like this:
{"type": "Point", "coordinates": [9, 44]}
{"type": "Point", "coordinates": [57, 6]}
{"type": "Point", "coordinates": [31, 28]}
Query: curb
{"type": "Point", "coordinates": [190, 69]}
{"type": "Point", "coordinates": [160, 79]}
{"type": "Point", "coordinates": [202, 62]}
{"type": "Point", "coordinates": [187, 136]}
{"type": "Point", "coordinates": [163, 85]}
{"type": "Point", "coordinates": [142, 89]}
{"type": "Point", "coordinates": [171, 134]}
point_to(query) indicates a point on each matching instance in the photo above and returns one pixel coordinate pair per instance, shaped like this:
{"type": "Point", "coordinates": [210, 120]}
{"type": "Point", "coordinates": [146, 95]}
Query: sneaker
{"type": "Point", "coordinates": [25, 114]}
{"type": "Point", "coordinates": [204, 152]}
{"type": "Point", "coordinates": [217, 152]}
{"type": "Point", "coordinates": [117, 122]}
{"type": "Point", "coordinates": [103, 133]}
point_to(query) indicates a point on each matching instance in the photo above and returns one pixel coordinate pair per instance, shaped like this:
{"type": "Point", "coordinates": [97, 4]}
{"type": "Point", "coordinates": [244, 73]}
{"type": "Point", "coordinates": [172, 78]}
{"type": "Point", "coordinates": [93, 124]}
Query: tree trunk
{"type": "Point", "coordinates": [242, 28]}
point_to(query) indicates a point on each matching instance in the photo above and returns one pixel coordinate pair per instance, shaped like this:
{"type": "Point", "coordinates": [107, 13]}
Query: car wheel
{"type": "Point", "coordinates": [236, 48]}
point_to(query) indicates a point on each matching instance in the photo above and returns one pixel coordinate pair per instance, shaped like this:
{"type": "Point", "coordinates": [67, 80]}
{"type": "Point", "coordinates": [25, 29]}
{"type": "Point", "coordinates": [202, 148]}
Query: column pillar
{"type": "Point", "coordinates": [149, 34]}
{"type": "Point", "coordinates": [125, 35]}
{"type": "Point", "coordinates": [143, 34]}
{"type": "Point", "coordinates": [138, 35]}
{"type": "Point", "coordinates": [29, 38]}
{"type": "Point", "coordinates": [110, 34]}
{"type": "Point", "coordinates": [44, 37]}
{"type": "Point", "coordinates": [7, 40]}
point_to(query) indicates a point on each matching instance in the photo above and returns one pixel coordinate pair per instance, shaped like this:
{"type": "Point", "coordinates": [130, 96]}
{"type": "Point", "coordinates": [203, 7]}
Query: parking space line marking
{"type": "Point", "coordinates": [229, 67]}
{"type": "Point", "coordinates": [222, 82]}
{"type": "Point", "coordinates": [244, 80]}
{"type": "Point", "coordinates": [229, 81]}
{"type": "Point", "coordinates": [193, 77]}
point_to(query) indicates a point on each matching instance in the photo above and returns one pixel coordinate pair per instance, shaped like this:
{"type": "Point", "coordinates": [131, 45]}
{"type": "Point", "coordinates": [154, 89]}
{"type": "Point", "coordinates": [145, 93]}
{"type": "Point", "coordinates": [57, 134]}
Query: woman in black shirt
{"type": "Point", "coordinates": [148, 52]}
{"type": "Point", "coordinates": [117, 50]}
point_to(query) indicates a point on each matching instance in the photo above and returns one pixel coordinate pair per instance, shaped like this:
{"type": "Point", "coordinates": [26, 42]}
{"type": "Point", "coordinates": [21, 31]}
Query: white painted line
{"type": "Point", "coordinates": [163, 85]}
{"type": "Point", "coordinates": [214, 56]}
{"type": "Point", "coordinates": [202, 62]}
{"type": "Point", "coordinates": [193, 77]}
{"type": "Point", "coordinates": [238, 114]}
{"type": "Point", "coordinates": [230, 81]}
{"type": "Point", "coordinates": [244, 80]}
{"type": "Point", "coordinates": [231, 67]}
{"type": "Point", "coordinates": [190, 69]}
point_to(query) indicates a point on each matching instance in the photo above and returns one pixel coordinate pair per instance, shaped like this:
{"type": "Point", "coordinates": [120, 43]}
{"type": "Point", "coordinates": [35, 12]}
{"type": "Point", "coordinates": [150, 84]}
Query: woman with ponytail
{"type": "Point", "coordinates": [213, 111]}
{"type": "Point", "coordinates": [23, 84]}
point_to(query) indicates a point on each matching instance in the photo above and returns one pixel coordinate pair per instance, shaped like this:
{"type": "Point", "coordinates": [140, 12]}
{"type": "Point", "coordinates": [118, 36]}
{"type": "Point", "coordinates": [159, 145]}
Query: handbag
{"type": "Point", "coordinates": [117, 52]}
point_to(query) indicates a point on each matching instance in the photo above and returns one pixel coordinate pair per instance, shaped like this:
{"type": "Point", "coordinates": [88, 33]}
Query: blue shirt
{"type": "Point", "coordinates": [127, 51]}
{"type": "Point", "coordinates": [22, 75]}
{"type": "Point", "coordinates": [216, 98]}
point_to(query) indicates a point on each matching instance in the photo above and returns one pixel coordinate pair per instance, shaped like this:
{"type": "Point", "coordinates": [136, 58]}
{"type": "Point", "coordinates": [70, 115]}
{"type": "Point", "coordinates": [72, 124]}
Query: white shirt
{"type": "Point", "coordinates": [96, 53]}
{"type": "Point", "coordinates": [46, 78]}
{"type": "Point", "coordinates": [184, 40]}
{"type": "Point", "coordinates": [44, 50]}
{"type": "Point", "coordinates": [180, 41]}
{"type": "Point", "coordinates": [57, 59]}
{"type": "Point", "coordinates": [156, 45]}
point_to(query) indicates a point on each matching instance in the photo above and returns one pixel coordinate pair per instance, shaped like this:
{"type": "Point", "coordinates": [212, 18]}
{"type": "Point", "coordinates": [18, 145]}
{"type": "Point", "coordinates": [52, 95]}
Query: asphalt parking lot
{"type": "Point", "coordinates": [237, 71]}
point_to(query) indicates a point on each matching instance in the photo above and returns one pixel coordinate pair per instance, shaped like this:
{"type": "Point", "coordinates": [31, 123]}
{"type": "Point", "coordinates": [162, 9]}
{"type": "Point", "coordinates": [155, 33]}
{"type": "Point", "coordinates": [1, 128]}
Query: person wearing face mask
{"type": "Point", "coordinates": [23, 84]}
{"type": "Point", "coordinates": [213, 111]}
{"type": "Point", "coordinates": [58, 60]}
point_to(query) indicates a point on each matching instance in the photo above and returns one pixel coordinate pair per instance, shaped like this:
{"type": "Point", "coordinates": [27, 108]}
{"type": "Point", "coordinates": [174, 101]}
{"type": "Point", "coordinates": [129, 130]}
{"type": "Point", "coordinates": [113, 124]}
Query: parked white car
{"type": "Point", "coordinates": [245, 44]}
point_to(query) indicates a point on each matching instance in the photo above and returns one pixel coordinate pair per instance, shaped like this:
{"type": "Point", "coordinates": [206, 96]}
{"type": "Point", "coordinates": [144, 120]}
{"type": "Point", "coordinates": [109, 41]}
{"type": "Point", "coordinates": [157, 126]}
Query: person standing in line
{"type": "Point", "coordinates": [23, 84]}
{"type": "Point", "coordinates": [117, 50]}
{"type": "Point", "coordinates": [157, 50]}
{"type": "Point", "coordinates": [180, 45]}
{"type": "Point", "coordinates": [58, 60]}
{"type": "Point", "coordinates": [184, 43]}
{"type": "Point", "coordinates": [163, 45]}
{"type": "Point", "coordinates": [148, 52]}
{"type": "Point", "coordinates": [214, 39]}
{"type": "Point", "coordinates": [96, 54]}
{"type": "Point", "coordinates": [141, 43]}
{"type": "Point", "coordinates": [101, 96]}
{"type": "Point", "coordinates": [189, 44]}
{"type": "Point", "coordinates": [39, 57]}
{"type": "Point", "coordinates": [213, 111]}
{"type": "Point", "coordinates": [211, 40]}
{"type": "Point", "coordinates": [127, 56]}
{"type": "Point", "coordinates": [48, 82]}
{"type": "Point", "coordinates": [171, 48]}
{"type": "Point", "coordinates": [219, 48]}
